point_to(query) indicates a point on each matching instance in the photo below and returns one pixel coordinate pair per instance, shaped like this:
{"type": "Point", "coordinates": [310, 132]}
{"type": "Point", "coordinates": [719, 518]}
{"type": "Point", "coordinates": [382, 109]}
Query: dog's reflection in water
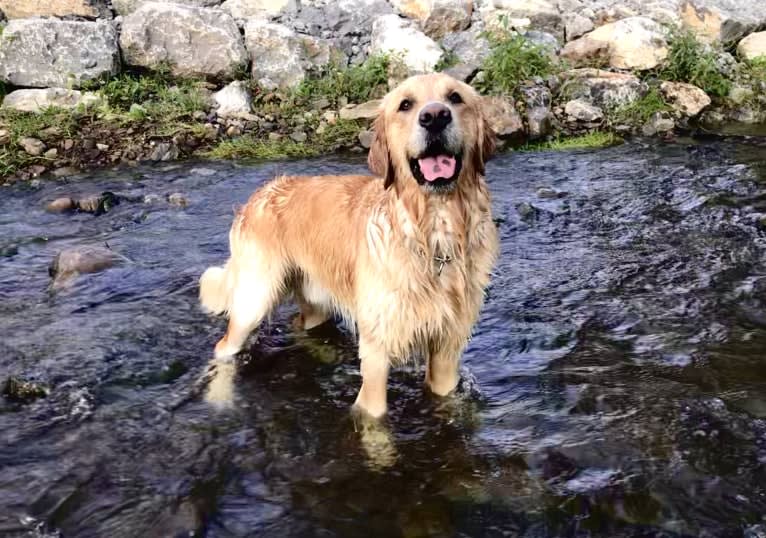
{"type": "Point", "coordinates": [219, 391]}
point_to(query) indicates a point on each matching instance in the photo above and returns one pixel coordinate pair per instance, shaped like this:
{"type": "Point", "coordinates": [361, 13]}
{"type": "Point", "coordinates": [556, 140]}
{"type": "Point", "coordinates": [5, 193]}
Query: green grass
{"type": "Point", "coordinates": [358, 83]}
{"type": "Point", "coordinates": [512, 60]}
{"type": "Point", "coordinates": [593, 140]}
{"type": "Point", "coordinates": [639, 111]}
{"type": "Point", "coordinates": [757, 69]}
{"type": "Point", "coordinates": [449, 59]}
{"type": "Point", "coordinates": [689, 60]}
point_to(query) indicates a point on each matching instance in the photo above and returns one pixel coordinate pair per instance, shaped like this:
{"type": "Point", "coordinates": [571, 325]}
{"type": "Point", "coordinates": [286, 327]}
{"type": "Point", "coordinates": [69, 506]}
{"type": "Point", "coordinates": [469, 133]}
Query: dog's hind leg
{"type": "Point", "coordinates": [256, 293]}
{"type": "Point", "coordinates": [315, 304]}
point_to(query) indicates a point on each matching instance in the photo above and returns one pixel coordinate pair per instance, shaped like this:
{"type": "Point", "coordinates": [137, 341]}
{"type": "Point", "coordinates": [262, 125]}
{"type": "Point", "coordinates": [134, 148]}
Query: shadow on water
{"type": "Point", "coordinates": [615, 386]}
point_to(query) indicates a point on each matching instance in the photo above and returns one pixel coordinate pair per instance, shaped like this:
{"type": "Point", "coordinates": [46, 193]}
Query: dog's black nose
{"type": "Point", "coordinates": [435, 117]}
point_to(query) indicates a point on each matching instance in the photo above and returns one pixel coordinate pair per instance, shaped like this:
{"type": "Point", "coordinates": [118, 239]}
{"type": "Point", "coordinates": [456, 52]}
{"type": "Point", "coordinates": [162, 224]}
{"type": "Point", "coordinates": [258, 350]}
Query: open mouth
{"type": "Point", "coordinates": [436, 167]}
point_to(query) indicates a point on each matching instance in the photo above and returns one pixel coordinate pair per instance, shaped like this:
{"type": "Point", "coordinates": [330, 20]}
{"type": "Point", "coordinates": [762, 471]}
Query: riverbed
{"type": "Point", "coordinates": [615, 385]}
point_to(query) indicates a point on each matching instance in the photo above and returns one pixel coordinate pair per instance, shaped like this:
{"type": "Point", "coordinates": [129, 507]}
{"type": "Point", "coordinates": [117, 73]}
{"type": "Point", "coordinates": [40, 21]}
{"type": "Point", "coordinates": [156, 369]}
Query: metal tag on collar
{"type": "Point", "coordinates": [441, 260]}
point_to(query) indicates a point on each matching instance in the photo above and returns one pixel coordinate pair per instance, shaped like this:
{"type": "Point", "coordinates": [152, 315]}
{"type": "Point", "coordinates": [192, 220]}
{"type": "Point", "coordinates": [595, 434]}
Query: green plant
{"type": "Point", "coordinates": [757, 69]}
{"type": "Point", "coordinates": [595, 139]}
{"type": "Point", "coordinates": [512, 60]}
{"type": "Point", "coordinates": [639, 111]}
{"type": "Point", "coordinates": [249, 147]}
{"type": "Point", "coordinates": [357, 83]}
{"type": "Point", "coordinates": [690, 60]}
{"type": "Point", "coordinates": [448, 59]}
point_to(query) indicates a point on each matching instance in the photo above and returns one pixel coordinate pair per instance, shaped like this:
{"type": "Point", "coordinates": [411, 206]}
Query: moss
{"type": "Point", "coordinates": [690, 60]}
{"type": "Point", "coordinates": [512, 60]}
{"type": "Point", "coordinates": [593, 140]}
{"type": "Point", "coordinates": [639, 111]}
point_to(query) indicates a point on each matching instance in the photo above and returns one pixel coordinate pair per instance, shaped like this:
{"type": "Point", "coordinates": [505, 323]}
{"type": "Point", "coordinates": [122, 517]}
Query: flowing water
{"type": "Point", "coordinates": [615, 386]}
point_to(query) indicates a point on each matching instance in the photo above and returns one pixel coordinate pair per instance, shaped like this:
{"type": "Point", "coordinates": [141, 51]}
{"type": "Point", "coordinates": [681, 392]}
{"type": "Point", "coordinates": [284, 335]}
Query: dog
{"type": "Point", "coordinates": [404, 256]}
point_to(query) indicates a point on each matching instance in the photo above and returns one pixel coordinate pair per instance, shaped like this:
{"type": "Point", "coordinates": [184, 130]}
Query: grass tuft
{"type": "Point", "coordinates": [593, 140]}
{"type": "Point", "coordinates": [513, 59]}
{"type": "Point", "coordinates": [640, 111]}
{"type": "Point", "coordinates": [690, 60]}
{"type": "Point", "coordinates": [358, 83]}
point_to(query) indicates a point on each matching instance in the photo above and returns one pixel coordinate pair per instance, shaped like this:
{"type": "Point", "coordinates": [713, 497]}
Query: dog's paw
{"type": "Point", "coordinates": [224, 350]}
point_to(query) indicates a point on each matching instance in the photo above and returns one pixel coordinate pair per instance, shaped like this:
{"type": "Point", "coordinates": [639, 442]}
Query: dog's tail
{"type": "Point", "coordinates": [215, 289]}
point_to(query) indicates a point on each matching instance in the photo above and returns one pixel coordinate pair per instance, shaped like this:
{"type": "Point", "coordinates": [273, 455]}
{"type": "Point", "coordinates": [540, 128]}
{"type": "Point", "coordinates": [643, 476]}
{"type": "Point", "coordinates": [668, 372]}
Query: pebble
{"type": "Point", "coordinates": [32, 146]}
{"type": "Point", "coordinates": [298, 136]}
{"type": "Point", "coordinates": [61, 205]}
{"type": "Point", "coordinates": [178, 199]}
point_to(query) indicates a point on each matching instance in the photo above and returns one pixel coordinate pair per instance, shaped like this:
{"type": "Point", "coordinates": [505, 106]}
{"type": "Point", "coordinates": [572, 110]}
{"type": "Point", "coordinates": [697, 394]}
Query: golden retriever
{"type": "Point", "coordinates": [404, 256]}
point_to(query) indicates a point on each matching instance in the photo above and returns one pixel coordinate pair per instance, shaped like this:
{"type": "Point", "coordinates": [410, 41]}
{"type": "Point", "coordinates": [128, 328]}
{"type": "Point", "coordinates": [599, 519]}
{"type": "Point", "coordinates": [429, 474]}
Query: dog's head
{"type": "Point", "coordinates": [431, 130]}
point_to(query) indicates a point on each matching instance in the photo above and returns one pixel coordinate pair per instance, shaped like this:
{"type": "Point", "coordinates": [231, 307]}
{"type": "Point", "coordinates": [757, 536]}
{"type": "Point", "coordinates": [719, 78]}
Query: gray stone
{"type": "Point", "coordinates": [544, 40]}
{"type": "Point", "coordinates": [164, 151]}
{"type": "Point", "coordinates": [32, 146]}
{"type": "Point", "coordinates": [471, 47]}
{"type": "Point", "coordinates": [298, 136]}
{"type": "Point", "coordinates": [194, 42]}
{"type": "Point", "coordinates": [687, 99]}
{"type": "Point", "coordinates": [24, 9]}
{"type": "Point", "coordinates": [234, 100]}
{"type": "Point", "coordinates": [38, 100]}
{"type": "Point", "coordinates": [366, 137]}
{"type": "Point", "coordinates": [365, 111]}
{"type": "Point", "coordinates": [44, 53]}
{"type": "Point", "coordinates": [538, 111]}
{"type": "Point", "coordinates": [281, 57]}
{"type": "Point", "coordinates": [5, 136]}
{"type": "Point", "coordinates": [723, 20]}
{"type": "Point", "coordinates": [78, 260]}
{"type": "Point", "coordinates": [581, 110]}
{"type": "Point", "coordinates": [503, 118]}
{"type": "Point", "coordinates": [604, 89]}
{"type": "Point", "coordinates": [126, 7]}
{"type": "Point", "coordinates": [575, 25]}
{"type": "Point", "coordinates": [246, 9]}
{"type": "Point", "coordinates": [658, 125]}
{"type": "Point", "coordinates": [542, 14]}
{"type": "Point", "coordinates": [61, 205]}
{"type": "Point", "coordinates": [393, 35]}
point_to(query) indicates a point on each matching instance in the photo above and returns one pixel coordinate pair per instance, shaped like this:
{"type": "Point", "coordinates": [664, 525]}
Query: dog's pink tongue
{"type": "Point", "coordinates": [433, 168]}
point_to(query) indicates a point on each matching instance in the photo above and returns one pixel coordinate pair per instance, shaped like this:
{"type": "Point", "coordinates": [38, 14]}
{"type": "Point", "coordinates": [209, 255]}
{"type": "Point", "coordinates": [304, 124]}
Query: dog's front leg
{"type": "Point", "coordinates": [374, 368]}
{"type": "Point", "coordinates": [442, 367]}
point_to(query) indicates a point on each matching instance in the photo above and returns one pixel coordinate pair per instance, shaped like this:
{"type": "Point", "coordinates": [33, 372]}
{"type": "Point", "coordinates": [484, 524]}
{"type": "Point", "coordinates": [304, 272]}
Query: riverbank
{"type": "Point", "coordinates": [546, 84]}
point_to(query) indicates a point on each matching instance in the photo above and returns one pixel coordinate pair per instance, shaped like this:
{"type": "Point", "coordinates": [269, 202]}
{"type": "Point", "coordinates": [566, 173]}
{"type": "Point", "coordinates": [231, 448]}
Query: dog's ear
{"type": "Point", "coordinates": [379, 160]}
{"type": "Point", "coordinates": [485, 144]}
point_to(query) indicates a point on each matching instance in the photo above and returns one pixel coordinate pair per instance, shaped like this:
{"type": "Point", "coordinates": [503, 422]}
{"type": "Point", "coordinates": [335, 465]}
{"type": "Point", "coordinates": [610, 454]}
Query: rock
{"type": "Point", "coordinates": [438, 17]}
{"type": "Point", "coordinates": [753, 46]}
{"type": "Point", "coordinates": [739, 95]}
{"type": "Point", "coordinates": [298, 136]}
{"type": "Point", "coordinates": [549, 193]}
{"type": "Point", "coordinates": [602, 88]}
{"type": "Point", "coordinates": [538, 111]}
{"type": "Point", "coordinates": [280, 56]}
{"type": "Point", "coordinates": [234, 100]}
{"type": "Point", "coordinates": [722, 20]}
{"type": "Point", "coordinates": [5, 137]}
{"type": "Point", "coordinates": [61, 205]}
{"type": "Point", "coordinates": [79, 260]}
{"type": "Point", "coordinates": [575, 25]}
{"type": "Point", "coordinates": [396, 36]}
{"type": "Point", "coordinates": [98, 204]}
{"type": "Point", "coordinates": [164, 151]}
{"type": "Point", "coordinates": [195, 42]}
{"type": "Point", "coordinates": [542, 14]}
{"type": "Point", "coordinates": [581, 110]}
{"type": "Point", "coordinates": [65, 171]}
{"type": "Point", "coordinates": [178, 199]}
{"type": "Point", "coordinates": [32, 146]}
{"type": "Point", "coordinates": [126, 7]}
{"type": "Point", "coordinates": [657, 125]}
{"type": "Point", "coordinates": [23, 9]}
{"type": "Point", "coordinates": [632, 43]}
{"type": "Point", "coordinates": [21, 391]}
{"type": "Point", "coordinates": [37, 100]}
{"type": "Point", "coordinates": [51, 153]}
{"type": "Point", "coordinates": [503, 118]}
{"type": "Point", "coordinates": [246, 9]}
{"type": "Point", "coordinates": [365, 111]}
{"type": "Point", "coordinates": [45, 53]}
{"type": "Point", "coordinates": [366, 137]}
{"type": "Point", "coordinates": [687, 99]}
{"type": "Point", "coordinates": [471, 47]}
{"type": "Point", "coordinates": [544, 40]}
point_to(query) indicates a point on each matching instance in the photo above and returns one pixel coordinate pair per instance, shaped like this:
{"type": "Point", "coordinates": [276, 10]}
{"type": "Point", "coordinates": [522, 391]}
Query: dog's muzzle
{"type": "Point", "coordinates": [438, 165]}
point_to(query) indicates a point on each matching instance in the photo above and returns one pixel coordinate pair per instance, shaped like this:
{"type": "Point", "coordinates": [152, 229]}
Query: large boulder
{"type": "Point", "coordinates": [38, 100]}
{"type": "Point", "coordinates": [126, 7]}
{"type": "Point", "coordinates": [281, 57]}
{"type": "Point", "coordinates": [687, 99]}
{"type": "Point", "coordinates": [396, 36]}
{"type": "Point", "coordinates": [246, 9]}
{"type": "Point", "coordinates": [632, 43]}
{"type": "Point", "coordinates": [503, 117]}
{"type": "Point", "coordinates": [604, 89]}
{"type": "Point", "coordinates": [438, 17]}
{"type": "Point", "coordinates": [723, 20]}
{"type": "Point", "coordinates": [42, 53]}
{"type": "Point", "coordinates": [191, 41]}
{"type": "Point", "coordinates": [753, 46]}
{"type": "Point", "coordinates": [22, 9]}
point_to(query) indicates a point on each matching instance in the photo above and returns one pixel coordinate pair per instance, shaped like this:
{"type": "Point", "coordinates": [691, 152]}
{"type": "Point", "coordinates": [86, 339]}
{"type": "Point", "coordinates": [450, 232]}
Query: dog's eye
{"type": "Point", "coordinates": [455, 98]}
{"type": "Point", "coordinates": [405, 105]}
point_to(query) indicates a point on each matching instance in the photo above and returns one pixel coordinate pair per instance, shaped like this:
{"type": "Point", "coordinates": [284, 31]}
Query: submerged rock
{"type": "Point", "coordinates": [43, 53]}
{"type": "Point", "coordinates": [16, 389]}
{"type": "Point", "coordinates": [98, 204]}
{"type": "Point", "coordinates": [83, 259]}
{"type": "Point", "coordinates": [61, 205]}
